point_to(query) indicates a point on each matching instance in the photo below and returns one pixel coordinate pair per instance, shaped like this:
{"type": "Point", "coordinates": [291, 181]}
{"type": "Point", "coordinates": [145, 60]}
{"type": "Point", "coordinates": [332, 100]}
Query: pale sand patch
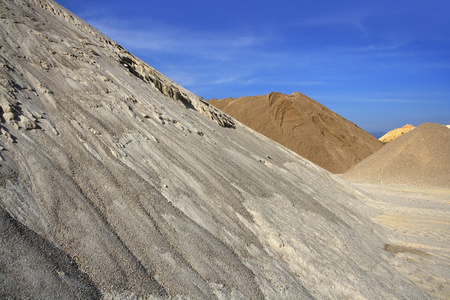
{"type": "Point", "coordinates": [419, 219]}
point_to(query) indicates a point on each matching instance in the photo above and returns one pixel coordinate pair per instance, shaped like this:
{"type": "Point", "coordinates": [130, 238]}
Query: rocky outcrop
{"type": "Point", "coordinates": [11, 111]}
{"type": "Point", "coordinates": [168, 88]}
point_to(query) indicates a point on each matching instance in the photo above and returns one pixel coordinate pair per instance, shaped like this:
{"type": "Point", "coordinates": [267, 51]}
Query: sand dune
{"type": "Point", "coordinates": [396, 133]}
{"type": "Point", "coordinates": [304, 126]}
{"type": "Point", "coordinates": [116, 182]}
{"type": "Point", "coordinates": [419, 158]}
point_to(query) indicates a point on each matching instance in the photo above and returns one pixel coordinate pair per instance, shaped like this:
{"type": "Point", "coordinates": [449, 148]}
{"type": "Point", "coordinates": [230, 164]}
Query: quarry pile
{"type": "Point", "coordinates": [418, 158]}
{"type": "Point", "coordinates": [396, 133]}
{"type": "Point", "coordinates": [116, 182]}
{"type": "Point", "coordinates": [304, 126]}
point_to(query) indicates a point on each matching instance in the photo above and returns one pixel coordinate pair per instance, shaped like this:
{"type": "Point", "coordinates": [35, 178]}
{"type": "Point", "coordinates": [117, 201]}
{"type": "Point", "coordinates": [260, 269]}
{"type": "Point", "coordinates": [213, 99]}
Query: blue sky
{"type": "Point", "coordinates": [380, 64]}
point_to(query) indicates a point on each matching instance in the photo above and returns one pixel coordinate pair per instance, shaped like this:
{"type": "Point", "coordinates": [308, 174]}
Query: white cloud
{"type": "Point", "coordinates": [353, 19]}
{"type": "Point", "coordinates": [227, 79]}
{"type": "Point", "coordinates": [375, 48]}
{"type": "Point", "coordinates": [380, 100]}
{"type": "Point", "coordinates": [166, 39]}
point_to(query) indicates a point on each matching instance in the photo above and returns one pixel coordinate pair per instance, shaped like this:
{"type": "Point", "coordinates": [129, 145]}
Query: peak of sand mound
{"type": "Point", "coordinates": [419, 158]}
{"type": "Point", "coordinates": [396, 133]}
{"type": "Point", "coordinates": [304, 126]}
{"type": "Point", "coordinates": [116, 182]}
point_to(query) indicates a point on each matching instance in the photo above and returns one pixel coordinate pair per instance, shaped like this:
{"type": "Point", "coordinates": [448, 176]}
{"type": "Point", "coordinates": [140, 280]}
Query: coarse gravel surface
{"type": "Point", "coordinates": [116, 182]}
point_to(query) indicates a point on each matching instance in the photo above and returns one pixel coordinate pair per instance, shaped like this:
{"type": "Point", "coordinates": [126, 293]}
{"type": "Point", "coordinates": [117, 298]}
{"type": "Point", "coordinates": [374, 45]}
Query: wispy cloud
{"type": "Point", "coordinates": [217, 63]}
{"type": "Point", "coordinates": [374, 48]}
{"type": "Point", "coordinates": [303, 83]}
{"type": "Point", "coordinates": [203, 58]}
{"type": "Point", "coordinates": [382, 100]}
{"type": "Point", "coordinates": [353, 56]}
{"type": "Point", "coordinates": [167, 39]}
{"type": "Point", "coordinates": [354, 19]}
{"type": "Point", "coordinates": [227, 79]}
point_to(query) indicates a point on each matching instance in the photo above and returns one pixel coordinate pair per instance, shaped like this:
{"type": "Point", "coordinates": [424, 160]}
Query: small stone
{"type": "Point", "coordinates": [27, 123]}
{"type": "Point", "coordinates": [8, 116]}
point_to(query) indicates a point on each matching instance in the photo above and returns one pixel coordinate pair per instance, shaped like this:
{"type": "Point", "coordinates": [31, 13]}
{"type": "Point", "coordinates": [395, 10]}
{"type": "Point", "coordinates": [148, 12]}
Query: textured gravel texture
{"type": "Point", "coordinates": [116, 182]}
{"type": "Point", "coordinates": [419, 158]}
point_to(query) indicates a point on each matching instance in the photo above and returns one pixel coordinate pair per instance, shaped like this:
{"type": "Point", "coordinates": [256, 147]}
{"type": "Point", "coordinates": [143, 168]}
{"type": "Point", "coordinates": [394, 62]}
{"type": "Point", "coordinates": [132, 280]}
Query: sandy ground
{"type": "Point", "coordinates": [419, 219]}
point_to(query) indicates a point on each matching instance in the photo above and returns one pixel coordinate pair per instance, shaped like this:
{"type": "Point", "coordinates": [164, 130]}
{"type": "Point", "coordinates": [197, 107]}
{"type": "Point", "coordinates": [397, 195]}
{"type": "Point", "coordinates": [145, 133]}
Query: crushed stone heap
{"type": "Point", "coordinates": [419, 158]}
{"type": "Point", "coordinates": [116, 182]}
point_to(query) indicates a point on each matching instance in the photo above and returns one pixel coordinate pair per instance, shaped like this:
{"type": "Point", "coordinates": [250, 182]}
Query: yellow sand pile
{"type": "Point", "coordinates": [396, 133]}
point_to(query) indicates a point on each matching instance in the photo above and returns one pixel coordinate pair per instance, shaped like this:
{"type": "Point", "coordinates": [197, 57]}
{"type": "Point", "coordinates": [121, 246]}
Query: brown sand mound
{"type": "Point", "coordinates": [304, 126]}
{"type": "Point", "coordinates": [421, 157]}
{"type": "Point", "coordinates": [396, 133]}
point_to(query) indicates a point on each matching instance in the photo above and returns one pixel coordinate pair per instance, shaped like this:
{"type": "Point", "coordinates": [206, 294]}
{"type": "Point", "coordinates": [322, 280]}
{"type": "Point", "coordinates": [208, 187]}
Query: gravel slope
{"type": "Point", "coordinates": [134, 187]}
{"type": "Point", "coordinates": [419, 158]}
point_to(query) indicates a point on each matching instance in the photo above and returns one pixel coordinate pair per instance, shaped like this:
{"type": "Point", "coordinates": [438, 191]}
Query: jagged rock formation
{"type": "Point", "coordinates": [419, 158]}
{"type": "Point", "coordinates": [396, 133]}
{"type": "Point", "coordinates": [110, 188]}
{"type": "Point", "coordinates": [304, 126]}
{"type": "Point", "coordinates": [168, 88]}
